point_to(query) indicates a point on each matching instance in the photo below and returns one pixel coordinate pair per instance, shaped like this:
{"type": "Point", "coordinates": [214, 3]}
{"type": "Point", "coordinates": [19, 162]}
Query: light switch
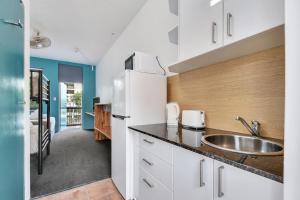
{"type": "Point", "coordinates": [54, 98]}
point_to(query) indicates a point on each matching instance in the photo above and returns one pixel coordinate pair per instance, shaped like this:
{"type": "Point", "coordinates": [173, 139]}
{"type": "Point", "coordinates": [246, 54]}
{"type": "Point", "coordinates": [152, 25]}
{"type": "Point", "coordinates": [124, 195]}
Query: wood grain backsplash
{"type": "Point", "coordinates": [252, 86]}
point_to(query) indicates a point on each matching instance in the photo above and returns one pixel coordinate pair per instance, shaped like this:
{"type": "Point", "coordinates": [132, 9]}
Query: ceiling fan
{"type": "Point", "coordinates": [39, 42]}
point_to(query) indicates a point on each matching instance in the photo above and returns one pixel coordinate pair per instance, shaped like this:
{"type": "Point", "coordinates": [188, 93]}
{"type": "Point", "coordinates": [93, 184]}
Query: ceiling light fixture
{"type": "Point", "coordinates": [39, 42]}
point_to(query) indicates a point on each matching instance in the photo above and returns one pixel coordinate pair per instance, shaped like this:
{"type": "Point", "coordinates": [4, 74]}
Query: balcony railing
{"type": "Point", "coordinates": [73, 116]}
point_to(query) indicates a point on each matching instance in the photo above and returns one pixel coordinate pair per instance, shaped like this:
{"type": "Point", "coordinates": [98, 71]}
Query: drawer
{"type": "Point", "coordinates": [159, 148]}
{"type": "Point", "coordinates": [159, 169]}
{"type": "Point", "coordinates": [151, 189]}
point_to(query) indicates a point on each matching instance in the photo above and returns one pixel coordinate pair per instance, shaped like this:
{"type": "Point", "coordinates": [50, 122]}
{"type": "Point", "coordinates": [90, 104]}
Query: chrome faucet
{"type": "Point", "coordinates": [254, 130]}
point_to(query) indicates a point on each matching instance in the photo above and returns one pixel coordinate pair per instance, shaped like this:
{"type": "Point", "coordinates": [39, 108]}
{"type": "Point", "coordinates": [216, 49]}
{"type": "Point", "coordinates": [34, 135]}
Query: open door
{"type": "Point", "coordinates": [12, 100]}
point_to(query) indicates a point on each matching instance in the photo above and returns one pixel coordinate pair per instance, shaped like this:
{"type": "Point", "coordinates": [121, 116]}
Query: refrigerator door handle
{"type": "Point", "coordinates": [120, 117]}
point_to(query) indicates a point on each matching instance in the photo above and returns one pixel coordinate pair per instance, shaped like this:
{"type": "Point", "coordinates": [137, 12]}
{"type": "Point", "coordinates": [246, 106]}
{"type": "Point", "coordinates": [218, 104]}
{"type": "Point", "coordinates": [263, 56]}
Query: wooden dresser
{"type": "Point", "coordinates": [102, 126]}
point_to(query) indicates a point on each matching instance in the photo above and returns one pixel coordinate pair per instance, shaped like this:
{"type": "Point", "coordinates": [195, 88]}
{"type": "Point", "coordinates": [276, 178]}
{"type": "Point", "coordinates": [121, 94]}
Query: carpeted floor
{"type": "Point", "coordinates": [75, 159]}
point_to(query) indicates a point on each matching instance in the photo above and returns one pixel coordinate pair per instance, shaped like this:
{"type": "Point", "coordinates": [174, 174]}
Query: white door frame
{"type": "Point", "coordinates": [27, 99]}
{"type": "Point", "coordinates": [292, 99]}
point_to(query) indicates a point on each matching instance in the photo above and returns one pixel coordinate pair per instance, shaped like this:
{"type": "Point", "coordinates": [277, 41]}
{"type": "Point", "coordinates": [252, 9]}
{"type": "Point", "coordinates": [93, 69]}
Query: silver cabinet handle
{"type": "Point", "coordinates": [220, 189]}
{"type": "Point", "coordinates": [147, 162]}
{"type": "Point", "coordinates": [213, 35]}
{"type": "Point", "coordinates": [202, 184]}
{"type": "Point", "coordinates": [12, 22]}
{"type": "Point", "coordinates": [147, 141]}
{"type": "Point", "coordinates": [229, 24]}
{"type": "Point", "coordinates": [147, 183]}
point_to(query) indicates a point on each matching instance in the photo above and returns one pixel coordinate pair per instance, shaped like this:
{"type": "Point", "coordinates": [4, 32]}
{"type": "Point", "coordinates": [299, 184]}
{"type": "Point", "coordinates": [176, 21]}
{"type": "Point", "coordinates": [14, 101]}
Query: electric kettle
{"type": "Point", "coordinates": [173, 112]}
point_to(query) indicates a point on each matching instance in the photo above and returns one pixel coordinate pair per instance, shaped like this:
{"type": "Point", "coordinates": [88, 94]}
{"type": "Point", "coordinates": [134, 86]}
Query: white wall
{"type": "Point", "coordinates": [147, 32]}
{"type": "Point", "coordinates": [292, 101]}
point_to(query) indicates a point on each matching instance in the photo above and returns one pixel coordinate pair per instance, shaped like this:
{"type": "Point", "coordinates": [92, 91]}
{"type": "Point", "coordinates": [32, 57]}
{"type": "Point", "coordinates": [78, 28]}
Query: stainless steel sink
{"type": "Point", "coordinates": [243, 144]}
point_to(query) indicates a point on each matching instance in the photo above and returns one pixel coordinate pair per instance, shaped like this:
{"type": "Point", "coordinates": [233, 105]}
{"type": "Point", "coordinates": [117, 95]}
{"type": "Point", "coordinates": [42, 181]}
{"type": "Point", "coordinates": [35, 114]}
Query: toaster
{"type": "Point", "coordinates": [193, 119]}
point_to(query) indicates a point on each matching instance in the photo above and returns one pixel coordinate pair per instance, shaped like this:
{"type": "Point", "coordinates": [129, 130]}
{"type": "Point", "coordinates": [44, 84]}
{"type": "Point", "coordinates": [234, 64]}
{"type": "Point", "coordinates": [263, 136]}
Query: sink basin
{"type": "Point", "coordinates": [243, 144]}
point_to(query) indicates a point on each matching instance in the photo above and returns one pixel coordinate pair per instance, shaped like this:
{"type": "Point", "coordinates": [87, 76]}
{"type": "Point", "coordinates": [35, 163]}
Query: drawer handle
{"type": "Point", "coordinates": [147, 183]}
{"type": "Point", "coordinates": [214, 28]}
{"type": "Point", "coordinates": [220, 192]}
{"type": "Point", "coordinates": [229, 24]}
{"type": "Point", "coordinates": [147, 141]}
{"type": "Point", "coordinates": [147, 162]}
{"type": "Point", "coordinates": [202, 184]}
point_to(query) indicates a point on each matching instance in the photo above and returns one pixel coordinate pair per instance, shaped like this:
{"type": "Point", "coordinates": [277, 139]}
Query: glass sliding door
{"type": "Point", "coordinates": [70, 79]}
{"type": "Point", "coordinates": [71, 105]}
{"type": "Point", "coordinates": [12, 100]}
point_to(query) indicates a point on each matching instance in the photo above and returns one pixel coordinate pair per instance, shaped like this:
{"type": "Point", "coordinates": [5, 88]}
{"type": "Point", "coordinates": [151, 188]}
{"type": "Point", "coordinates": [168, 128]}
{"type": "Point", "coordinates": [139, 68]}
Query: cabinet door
{"type": "Point", "coordinates": [231, 183]}
{"type": "Point", "coordinates": [193, 176]}
{"type": "Point", "coordinates": [249, 17]}
{"type": "Point", "coordinates": [201, 26]}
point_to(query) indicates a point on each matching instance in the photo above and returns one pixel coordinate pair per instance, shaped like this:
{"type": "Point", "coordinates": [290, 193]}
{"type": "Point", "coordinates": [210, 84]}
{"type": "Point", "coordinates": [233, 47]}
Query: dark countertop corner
{"type": "Point", "coordinates": [267, 166]}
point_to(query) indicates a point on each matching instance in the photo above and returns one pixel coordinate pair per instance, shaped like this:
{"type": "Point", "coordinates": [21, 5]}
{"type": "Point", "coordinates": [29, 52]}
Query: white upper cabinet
{"type": "Point", "coordinates": [200, 27]}
{"type": "Point", "coordinates": [244, 18]}
{"type": "Point", "coordinates": [232, 183]}
{"type": "Point", "coordinates": [193, 176]}
{"type": "Point", "coordinates": [205, 25]}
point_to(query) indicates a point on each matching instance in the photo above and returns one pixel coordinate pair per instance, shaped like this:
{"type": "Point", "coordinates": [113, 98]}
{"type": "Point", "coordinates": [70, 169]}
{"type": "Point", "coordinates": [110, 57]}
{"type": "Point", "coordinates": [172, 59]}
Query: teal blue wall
{"type": "Point", "coordinates": [11, 103]}
{"type": "Point", "coordinates": [50, 68]}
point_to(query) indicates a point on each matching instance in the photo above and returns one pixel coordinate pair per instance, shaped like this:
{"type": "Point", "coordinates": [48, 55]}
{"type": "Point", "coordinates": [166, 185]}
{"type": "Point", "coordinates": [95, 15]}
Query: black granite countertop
{"type": "Point", "coordinates": [267, 166]}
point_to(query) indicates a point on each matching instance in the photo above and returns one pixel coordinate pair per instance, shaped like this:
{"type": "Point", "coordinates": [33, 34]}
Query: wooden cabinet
{"type": "Point", "coordinates": [201, 27]}
{"type": "Point", "coordinates": [193, 175]}
{"type": "Point", "coordinates": [245, 18]}
{"type": "Point", "coordinates": [205, 25]}
{"type": "Point", "coordinates": [231, 183]}
{"type": "Point", "coordinates": [102, 127]}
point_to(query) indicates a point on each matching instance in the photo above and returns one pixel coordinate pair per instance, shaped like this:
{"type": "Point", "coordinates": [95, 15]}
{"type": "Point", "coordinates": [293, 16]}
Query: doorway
{"type": "Point", "coordinates": [70, 105]}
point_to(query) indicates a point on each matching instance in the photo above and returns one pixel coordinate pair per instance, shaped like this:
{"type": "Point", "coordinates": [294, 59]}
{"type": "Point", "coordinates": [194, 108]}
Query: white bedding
{"type": "Point", "coordinates": [52, 124]}
{"type": "Point", "coordinates": [34, 138]}
{"type": "Point", "coordinates": [34, 130]}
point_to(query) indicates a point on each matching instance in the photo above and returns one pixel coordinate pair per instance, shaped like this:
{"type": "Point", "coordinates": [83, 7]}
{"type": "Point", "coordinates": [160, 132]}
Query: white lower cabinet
{"type": "Point", "coordinates": [158, 168]}
{"type": "Point", "coordinates": [167, 172]}
{"type": "Point", "coordinates": [157, 147]}
{"type": "Point", "coordinates": [231, 183]}
{"type": "Point", "coordinates": [135, 163]}
{"type": "Point", "coordinates": [193, 176]}
{"type": "Point", "coordinates": [151, 189]}
{"type": "Point", "coordinates": [154, 168]}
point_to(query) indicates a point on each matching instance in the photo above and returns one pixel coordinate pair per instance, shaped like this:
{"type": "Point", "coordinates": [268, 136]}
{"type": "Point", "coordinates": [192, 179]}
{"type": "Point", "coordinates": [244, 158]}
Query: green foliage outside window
{"type": "Point", "coordinates": [76, 98]}
{"type": "Point", "coordinates": [34, 105]}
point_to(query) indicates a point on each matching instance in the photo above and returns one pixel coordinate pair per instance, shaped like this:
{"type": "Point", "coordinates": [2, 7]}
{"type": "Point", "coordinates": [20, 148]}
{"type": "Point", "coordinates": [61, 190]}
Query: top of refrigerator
{"type": "Point", "coordinates": [145, 63]}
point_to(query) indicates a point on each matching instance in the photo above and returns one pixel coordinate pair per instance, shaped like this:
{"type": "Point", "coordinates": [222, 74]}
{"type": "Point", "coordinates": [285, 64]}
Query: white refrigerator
{"type": "Point", "coordinates": [138, 99]}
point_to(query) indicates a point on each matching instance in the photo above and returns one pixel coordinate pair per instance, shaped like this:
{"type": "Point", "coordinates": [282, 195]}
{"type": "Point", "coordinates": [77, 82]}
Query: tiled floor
{"type": "Point", "coordinates": [101, 190]}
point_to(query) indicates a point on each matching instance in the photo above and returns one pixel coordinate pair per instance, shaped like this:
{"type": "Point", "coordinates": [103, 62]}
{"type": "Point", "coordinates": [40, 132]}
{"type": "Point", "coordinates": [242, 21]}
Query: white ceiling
{"type": "Point", "coordinates": [85, 24]}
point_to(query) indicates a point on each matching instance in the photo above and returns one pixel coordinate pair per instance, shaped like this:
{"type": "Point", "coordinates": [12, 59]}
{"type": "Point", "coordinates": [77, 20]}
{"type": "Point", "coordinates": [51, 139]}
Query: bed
{"type": "Point", "coordinates": [34, 120]}
{"type": "Point", "coordinates": [40, 130]}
